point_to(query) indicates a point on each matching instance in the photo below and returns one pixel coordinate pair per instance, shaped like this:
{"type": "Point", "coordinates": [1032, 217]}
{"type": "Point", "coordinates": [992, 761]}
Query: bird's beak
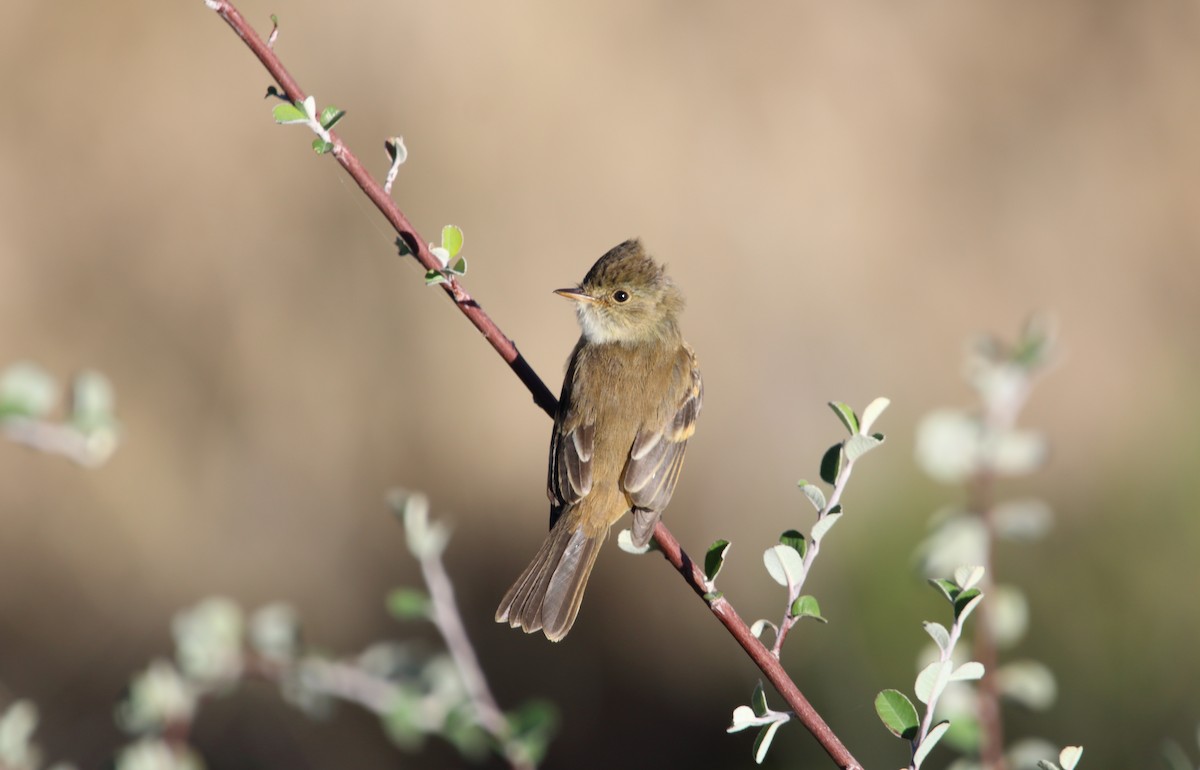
{"type": "Point", "coordinates": [575, 294]}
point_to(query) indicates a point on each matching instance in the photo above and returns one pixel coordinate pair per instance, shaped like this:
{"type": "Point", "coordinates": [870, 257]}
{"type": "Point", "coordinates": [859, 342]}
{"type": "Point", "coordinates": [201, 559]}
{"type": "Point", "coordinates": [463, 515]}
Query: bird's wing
{"type": "Point", "coordinates": [657, 452]}
{"type": "Point", "coordinates": [571, 448]}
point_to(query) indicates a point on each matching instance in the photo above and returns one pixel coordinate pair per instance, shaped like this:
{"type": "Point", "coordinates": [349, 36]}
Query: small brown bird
{"type": "Point", "coordinates": [628, 406]}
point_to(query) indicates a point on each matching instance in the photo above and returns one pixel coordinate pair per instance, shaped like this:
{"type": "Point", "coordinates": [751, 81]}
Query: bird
{"type": "Point", "coordinates": [629, 403]}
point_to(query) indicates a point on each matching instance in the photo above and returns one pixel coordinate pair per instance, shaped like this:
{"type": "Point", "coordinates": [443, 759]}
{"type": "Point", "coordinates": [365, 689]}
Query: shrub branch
{"type": "Point", "coordinates": [542, 395]}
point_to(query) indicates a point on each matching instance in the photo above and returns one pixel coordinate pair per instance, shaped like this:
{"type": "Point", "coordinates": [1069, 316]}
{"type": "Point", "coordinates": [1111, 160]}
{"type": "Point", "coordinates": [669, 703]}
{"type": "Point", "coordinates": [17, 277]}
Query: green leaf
{"type": "Point", "coordinates": [402, 722]}
{"type": "Point", "coordinates": [409, 604]}
{"type": "Point", "coordinates": [948, 588]}
{"type": "Point", "coordinates": [858, 445]}
{"type": "Point", "coordinates": [714, 559]}
{"type": "Point", "coordinates": [931, 739]}
{"type": "Point", "coordinates": [939, 633]}
{"type": "Point", "coordinates": [846, 415]}
{"type": "Point", "coordinates": [897, 713]}
{"type": "Point", "coordinates": [814, 495]}
{"type": "Point", "coordinates": [872, 412]}
{"type": "Point", "coordinates": [831, 464]}
{"type": "Point", "coordinates": [807, 607]}
{"type": "Point", "coordinates": [434, 277]}
{"type": "Point", "coordinates": [287, 114]}
{"type": "Point", "coordinates": [320, 146]}
{"type": "Point", "coordinates": [932, 680]}
{"type": "Point", "coordinates": [795, 540]}
{"type": "Point", "coordinates": [28, 390]}
{"type": "Point", "coordinates": [822, 527]}
{"type": "Point", "coordinates": [533, 725]}
{"type": "Point", "coordinates": [763, 742]}
{"type": "Point", "coordinates": [330, 116]}
{"type": "Point", "coordinates": [965, 603]}
{"type": "Point", "coordinates": [784, 565]}
{"type": "Point", "coordinates": [758, 700]}
{"type": "Point", "coordinates": [397, 152]}
{"type": "Point", "coordinates": [452, 239]}
{"type": "Point", "coordinates": [1069, 757]}
{"type": "Point", "coordinates": [461, 729]}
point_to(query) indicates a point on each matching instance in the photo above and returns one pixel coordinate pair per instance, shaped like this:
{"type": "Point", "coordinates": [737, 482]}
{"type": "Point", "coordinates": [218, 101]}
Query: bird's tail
{"type": "Point", "coordinates": [547, 595]}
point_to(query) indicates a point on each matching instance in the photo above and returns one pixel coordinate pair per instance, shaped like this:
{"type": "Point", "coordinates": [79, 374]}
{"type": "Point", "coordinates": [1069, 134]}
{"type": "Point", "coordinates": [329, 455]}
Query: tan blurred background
{"type": "Point", "coordinates": [846, 193]}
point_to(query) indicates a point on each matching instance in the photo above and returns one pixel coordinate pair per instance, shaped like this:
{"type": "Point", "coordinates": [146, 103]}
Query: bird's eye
{"type": "Point", "coordinates": [620, 295]}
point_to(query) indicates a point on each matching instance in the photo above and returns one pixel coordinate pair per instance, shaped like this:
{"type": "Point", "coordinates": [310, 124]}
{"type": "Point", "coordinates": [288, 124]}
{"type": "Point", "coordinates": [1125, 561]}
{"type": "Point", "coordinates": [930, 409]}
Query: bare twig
{"type": "Point", "coordinates": [810, 556]}
{"type": "Point", "coordinates": [449, 623]}
{"type": "Point", "coordinates": [417, 245]}
{"type": "Point", "coordinates": [762, 657]}
{"type": "Point", "coordinates": [542, 396]}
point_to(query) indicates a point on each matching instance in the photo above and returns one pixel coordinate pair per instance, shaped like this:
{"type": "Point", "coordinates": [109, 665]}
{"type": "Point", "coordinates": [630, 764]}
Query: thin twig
{"type": "Point", "coordinates": [449, 623]}
{"type": "Point", "coordinates": [542, 396]}
{"type": "Point", "coordinates": [810, 556]}
{"type": "Point", "coordinates": [758, 652]}
{"type": "Point", "coordinates": [417, 245]}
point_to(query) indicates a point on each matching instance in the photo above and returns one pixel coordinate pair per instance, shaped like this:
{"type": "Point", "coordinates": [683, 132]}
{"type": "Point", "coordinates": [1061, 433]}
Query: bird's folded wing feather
{"type": "Point", "coordinates": [656, 456]}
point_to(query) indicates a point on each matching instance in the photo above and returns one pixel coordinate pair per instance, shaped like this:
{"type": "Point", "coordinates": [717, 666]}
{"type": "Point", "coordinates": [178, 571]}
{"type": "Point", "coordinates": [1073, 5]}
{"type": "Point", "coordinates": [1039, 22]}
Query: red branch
{"type": "Point", "coordinates": [542, 396]}
{"type": "Point", "coordinates": [416, 245]}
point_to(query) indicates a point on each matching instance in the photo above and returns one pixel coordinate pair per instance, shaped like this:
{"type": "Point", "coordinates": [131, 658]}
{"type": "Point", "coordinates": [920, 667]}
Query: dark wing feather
{"type": "Point", "coordinates": [571, 448]}
{"type": "Point", "coordinates": [656, 456]}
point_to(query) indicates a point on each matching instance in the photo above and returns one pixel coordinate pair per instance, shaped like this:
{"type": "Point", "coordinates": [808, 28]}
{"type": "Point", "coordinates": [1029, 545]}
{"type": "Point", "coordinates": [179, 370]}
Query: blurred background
{"type": "Point", "coordinates": [846, 193]}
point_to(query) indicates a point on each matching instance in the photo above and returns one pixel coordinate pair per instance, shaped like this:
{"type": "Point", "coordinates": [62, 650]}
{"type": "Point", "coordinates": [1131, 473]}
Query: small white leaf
{"type": "Point", "coordinates": [1008, 615]}
{"type": "Point", "coordinates": [814, 495]}
{"type": "Point", "coordinates": [1029, 683]}
{"type": "Point", "coordinates": [399, 150]}
{"type": "Point", "coordinates": [968, 671]}
{"type": "Point", "coordinates": [1022, 519]}
{"type": "Point", "coordinates": [935, 734]}
{"type": "Point", "coordinates": [932, 680]}
{"type": "Point", "coordinates": [1069, 757]}
{"type": "Point", "coordinates": [625, 543]}
{"type": "Point", "coordinates": [760, 625]}
{"type": "Point", "coordinates": [743, 717]}
{"type": "Point", "coordinates": [763, 741]}
{"type": "Point", "coordinates": [822, 527]}
{"type": "Point", "coordinates": [939, 634]}
{"type": "Point", "coordinates": [1016, 452]}
{"type": "Point", "coordinates": [956, 539]}
{"type": "Point", "coordinates": [857, 446]}
{"type": "Point", "coordinates": [948, 445]}
{"type": "Point", "coordinates": [967, 576]}
{"type": "Point", "coordinates": [784, 564]}
{"type": "Point", "coordinates": [871, 414]}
